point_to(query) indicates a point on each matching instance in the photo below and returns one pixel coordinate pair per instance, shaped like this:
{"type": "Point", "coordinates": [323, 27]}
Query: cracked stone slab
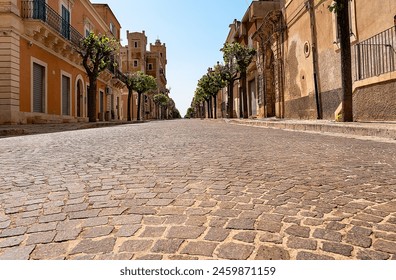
{"type": "Point", "coordinates": [89, 246]}
{"type": "Point", "coordinates": [17, 253]}
{"type": "Point", "coordinates": [11, 241]}
{"type": "Point", "coordinates": [200, 248]}
{"type": "Point", "coordinates": [234, 251]}
{"type": "Point", "coordinates": [180, 232]}
{"type": "Point", "coordinates": [136, 246]}
{"type": "Point", "coordinates": [167, 246]}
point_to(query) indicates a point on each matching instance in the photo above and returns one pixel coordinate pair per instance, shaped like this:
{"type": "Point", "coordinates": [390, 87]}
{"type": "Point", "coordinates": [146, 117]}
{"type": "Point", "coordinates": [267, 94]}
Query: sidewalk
{"type": "Point", "coordinates": [26, 129]}
{"type": "Point", "coordinates": [386, 130]}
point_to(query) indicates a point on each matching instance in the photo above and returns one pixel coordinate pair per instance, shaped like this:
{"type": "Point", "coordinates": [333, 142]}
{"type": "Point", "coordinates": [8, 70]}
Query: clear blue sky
{"type": "Point", "coordinates": [193, 31]}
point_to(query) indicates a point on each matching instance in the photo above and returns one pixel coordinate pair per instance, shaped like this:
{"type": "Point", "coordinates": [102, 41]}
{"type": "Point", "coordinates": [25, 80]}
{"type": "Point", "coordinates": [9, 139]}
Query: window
{"type": "Point", "coordinates": [65, 95]}
{"type": "Point", "coordinates": [88, 27]}
{"type": "Point", "coordinates": [352, 25]}
{"type": "Point", "coordinates": [65, 22]}
{"type": "Point", "coordinates": [38, 88]}
{"type": "Point", "coordinates": [250, 42]}
{"type": "Point", "coordinates": [150, 66]}
{"type": "Point", "coordinates": [135, 63]}
{"type": "Point", "coordinates": [113, 29]}
{"type": "Point", "coordinates": [39, 10]}
{"type": "Point", "coordinates": [136, 44]}
{"type": "Point", "coordinates": [101, 102]}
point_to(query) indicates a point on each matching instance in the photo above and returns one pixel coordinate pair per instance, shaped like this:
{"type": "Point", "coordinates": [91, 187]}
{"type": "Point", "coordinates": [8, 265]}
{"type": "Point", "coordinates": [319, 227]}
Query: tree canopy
{"type": "Point", "coordinates": [211, 82]}
{"type": "Point", "coordinates": [237, 56]}
{"type": "Point", "coordinates": [141, 83]}
{"type": "Point", "coordinates": [97, 53]}
{"type": "Point", "coordinates": [161, 99]}
{"type": "Point", "coordinates": [237, 59]}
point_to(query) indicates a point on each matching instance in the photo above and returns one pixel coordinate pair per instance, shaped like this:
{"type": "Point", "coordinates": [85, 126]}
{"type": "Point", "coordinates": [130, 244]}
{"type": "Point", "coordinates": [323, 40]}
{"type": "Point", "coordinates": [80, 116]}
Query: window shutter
{"type": "Point", "coordinates": [38, 88]}
{"type": "Point", "coordinates": [65, 95]}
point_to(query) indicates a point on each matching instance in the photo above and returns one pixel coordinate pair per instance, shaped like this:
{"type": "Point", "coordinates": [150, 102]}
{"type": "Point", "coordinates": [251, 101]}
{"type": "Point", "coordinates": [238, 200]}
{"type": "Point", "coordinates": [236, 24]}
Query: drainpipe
{"type": "Point", "coordinates": [310, 6]}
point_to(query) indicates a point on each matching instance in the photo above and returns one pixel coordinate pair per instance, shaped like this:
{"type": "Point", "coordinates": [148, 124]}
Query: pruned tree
{"type": "Point", "coordinates": [211, 83]}
{"type": "Point", "coordinates": [130, 78]}
{"type": "Point", "coordinates": [237, 59]}
{"type": "Point", "coordinates": [161, 100]}
{"type": "Point", "coordinates": [200, 96]}
{"type": "Point", "coordinates": [189, 113]}
{"type": "Point", "coordinates": [97, 54]}
{"type": "Point", "coordinates": [142, 83]}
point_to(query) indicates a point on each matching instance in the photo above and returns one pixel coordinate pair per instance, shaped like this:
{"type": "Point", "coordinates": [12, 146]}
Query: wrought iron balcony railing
{"type": "Point", "coordinates": [38, 9]}
{"type": "Point", "coordinates": [376, 55]}
{"type": "Point", "coordinates": [113, 68]}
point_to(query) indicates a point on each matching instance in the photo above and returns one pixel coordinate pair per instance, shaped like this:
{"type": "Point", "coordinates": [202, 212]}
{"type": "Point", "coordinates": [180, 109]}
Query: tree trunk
{"type": "Point", "coordinates": [129, 104]}
{"type": "Point", "coordinates": [211, 107]}
{"type": "Point", "coordinates": [346, 67]}
{"type": "Point", "coordinates": [92, 99]}
{"type": "Point", "coordinates": [315, 65]}
{"type": "Point", "coordinates": [240, 102]}
{"type": "Point", "coordinates": [231, 99]}
{"type": "Point", "coordinates": [139, 105]}
{"type": "Point", "coordinates": [215, 106]}
{"type": "Point", "coordinates": [208, 106]}
{"type": "Point", "coordinates": [244, 96]}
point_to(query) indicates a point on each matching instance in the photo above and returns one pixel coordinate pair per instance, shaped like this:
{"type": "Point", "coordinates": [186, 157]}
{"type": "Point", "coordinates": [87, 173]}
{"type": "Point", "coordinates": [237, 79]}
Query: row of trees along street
{"type": "Point", "coordinates": [97, 52]}
{"type": "Point", "coordinates": [237, 59]}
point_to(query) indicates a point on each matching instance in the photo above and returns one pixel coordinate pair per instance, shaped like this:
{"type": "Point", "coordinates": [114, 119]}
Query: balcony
{"type": "Point", "coordinates": [39, 10]}
{"type": "Point", "coordinates": [46, 26]}
{"type": "Point", "coordinates": [118, 79]}
{"type": "Point", "coordinates": [376, 55]}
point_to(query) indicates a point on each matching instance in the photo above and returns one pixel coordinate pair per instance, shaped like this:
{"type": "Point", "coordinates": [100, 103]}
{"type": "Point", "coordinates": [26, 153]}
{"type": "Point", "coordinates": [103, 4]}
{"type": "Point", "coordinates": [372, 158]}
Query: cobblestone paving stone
{"type": "Point", "coordinates": [193, 189]}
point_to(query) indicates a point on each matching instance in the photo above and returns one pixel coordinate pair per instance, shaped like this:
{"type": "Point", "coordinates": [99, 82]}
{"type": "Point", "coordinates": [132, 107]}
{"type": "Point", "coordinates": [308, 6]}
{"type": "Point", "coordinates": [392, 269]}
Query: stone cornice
{"type": "Point", "coordinates": [9, 7]}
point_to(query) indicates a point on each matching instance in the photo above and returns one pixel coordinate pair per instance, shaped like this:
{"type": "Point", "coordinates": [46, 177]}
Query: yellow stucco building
{"type": "Point", "coordinates": [42, 79]}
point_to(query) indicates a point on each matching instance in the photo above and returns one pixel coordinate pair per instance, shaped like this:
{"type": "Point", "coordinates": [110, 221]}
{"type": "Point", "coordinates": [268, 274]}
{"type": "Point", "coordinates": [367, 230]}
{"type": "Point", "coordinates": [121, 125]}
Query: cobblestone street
{"type": "Point", "coordinates": [192, 189]}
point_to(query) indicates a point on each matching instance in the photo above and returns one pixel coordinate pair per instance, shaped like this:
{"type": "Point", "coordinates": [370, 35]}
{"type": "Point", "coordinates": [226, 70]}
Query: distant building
{"type": "Point", "coordinates": [136, 57]}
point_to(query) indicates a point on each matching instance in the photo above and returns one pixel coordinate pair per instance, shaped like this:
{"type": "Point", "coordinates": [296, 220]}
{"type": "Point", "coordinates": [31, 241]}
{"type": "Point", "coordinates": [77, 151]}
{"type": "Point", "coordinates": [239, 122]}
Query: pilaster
{"type": "Point", "coordinates": [9, 62]}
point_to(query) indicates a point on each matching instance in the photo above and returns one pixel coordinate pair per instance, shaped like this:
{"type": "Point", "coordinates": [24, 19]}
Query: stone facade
{"type": "Point", "coordinates": [312, 63]}
{"type": "Point", "coordinates": [10, 28]}
{"type": "Point", "coordinates": [375, 102]}
{"type": "Point", "coordinates": [297, 70]}
{"type": "Point", "coordinates": [246, 32]}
